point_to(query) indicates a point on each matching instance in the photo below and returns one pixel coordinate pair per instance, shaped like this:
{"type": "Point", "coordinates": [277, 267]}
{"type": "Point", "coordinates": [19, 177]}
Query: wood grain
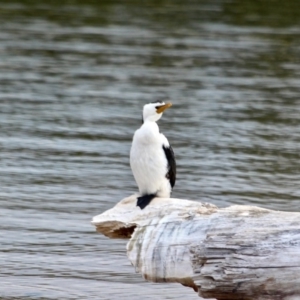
{"type": "Point", "coordinates": [239, 252]}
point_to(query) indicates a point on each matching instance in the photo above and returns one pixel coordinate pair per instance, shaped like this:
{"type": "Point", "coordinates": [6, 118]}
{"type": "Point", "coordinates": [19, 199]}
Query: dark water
{"type": "Point", "coordinates": [74, 76]}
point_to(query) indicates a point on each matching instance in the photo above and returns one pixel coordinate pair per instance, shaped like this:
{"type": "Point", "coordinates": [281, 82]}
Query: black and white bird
{"type": "Point", "coordinates": [152, 158]}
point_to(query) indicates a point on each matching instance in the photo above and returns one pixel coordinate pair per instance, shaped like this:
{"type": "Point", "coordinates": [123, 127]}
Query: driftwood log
{"type": "Point", "coordinates": [239, 252]}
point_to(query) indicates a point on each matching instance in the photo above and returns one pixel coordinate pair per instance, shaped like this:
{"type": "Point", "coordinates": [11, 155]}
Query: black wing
{"type": "Point", "coordinates": [171, 174]}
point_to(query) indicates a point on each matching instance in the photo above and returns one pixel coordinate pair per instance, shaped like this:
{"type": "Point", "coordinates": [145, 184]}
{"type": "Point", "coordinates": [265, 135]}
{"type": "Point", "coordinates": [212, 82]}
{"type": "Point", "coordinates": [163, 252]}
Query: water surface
{"type": "Point", "coordinates": [74, 76]}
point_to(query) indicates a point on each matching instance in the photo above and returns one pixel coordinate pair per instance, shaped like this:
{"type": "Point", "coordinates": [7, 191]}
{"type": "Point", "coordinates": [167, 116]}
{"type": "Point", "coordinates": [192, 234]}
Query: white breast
{"type": "Point", "coordinates": [148, 162]}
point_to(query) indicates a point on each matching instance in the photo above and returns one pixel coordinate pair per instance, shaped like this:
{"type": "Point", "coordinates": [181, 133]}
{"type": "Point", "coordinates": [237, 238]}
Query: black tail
{"type": "Point", "coordinates": [144, 200]}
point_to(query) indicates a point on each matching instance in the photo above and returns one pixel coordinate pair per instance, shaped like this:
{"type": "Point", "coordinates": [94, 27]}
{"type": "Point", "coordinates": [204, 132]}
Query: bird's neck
{"type": "Point", "coordinates": [148, 132]}
{"type": "Point", "coordinates": [150, 125]}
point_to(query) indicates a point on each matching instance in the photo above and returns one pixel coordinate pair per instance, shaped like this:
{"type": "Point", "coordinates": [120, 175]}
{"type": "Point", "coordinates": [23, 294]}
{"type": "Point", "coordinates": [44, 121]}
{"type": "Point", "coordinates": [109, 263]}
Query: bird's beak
{"type": "Point", "coordinates": [163, 107]}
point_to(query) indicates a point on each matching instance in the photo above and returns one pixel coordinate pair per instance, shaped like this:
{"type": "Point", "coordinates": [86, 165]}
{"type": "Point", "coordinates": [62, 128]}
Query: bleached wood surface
{"type": "Point", "coordinates": [239, 252]}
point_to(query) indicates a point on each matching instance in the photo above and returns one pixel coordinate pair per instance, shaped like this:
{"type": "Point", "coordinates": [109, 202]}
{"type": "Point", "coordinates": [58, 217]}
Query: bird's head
{"type": "Point", "coordinates": [154, 110]}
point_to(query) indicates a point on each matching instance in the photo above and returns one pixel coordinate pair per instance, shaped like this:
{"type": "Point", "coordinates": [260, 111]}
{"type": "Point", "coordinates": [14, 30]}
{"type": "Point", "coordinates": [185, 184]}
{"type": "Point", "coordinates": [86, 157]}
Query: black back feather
{"type": "Point", "coordinates": [171, 173]}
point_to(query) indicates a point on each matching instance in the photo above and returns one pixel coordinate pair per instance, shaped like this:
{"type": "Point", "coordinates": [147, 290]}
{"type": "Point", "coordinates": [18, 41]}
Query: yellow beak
{"type": "Point", "coordinates": [162, 108]}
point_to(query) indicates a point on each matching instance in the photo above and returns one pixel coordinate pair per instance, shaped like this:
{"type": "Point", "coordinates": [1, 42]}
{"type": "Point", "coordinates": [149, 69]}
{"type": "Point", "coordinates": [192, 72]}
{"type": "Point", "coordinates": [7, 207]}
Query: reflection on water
{"type": "Point", "coordinates": [74, 77]}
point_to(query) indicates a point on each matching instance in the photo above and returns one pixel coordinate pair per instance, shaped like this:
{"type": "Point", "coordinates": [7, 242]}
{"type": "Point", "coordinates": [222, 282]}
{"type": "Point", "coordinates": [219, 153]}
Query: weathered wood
{"type": "Point", "coordinates": [239, 252]}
